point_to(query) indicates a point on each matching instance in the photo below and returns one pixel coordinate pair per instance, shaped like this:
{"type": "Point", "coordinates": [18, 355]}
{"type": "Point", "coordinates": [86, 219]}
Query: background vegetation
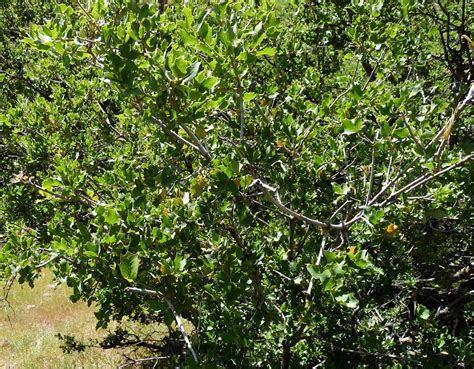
{"type": "Point", "coordinates": [291, 177]}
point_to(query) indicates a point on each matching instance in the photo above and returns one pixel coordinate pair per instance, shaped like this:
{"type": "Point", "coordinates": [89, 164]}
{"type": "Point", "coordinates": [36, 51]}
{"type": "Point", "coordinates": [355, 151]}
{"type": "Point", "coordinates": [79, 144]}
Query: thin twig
{"type": "Point", "coordinates": [136, 361]}
{"type": "Point", "coordinates": [424, 179]}
{"type": "Point", "coordinates": [321, 250]}
{"type": "Point", "coordinates": [339, 209]}
{"type": "Point", "coordinates": [376, 354]}
{"type": "Point", "coordinates": [58, 196]}
{"type": "Point", "coordinates": [44, 263]}
{"type": "Point", "coordinates": [377, 64]}
{"type": "Point", "coordinates": [242, 111]}
{"type": "Point", "coordinates": [240, 91]}
{"type": "Point", "coordinates": [389, 169]}
{"type": "Point", "coordinates": [372, 169]}
{"type": "Point", "coordinates": [412, 134]}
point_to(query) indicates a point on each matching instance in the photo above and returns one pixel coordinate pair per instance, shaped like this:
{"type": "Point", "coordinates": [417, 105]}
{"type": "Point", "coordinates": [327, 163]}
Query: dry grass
{"type": "Point", "coordinates": [29, 326]}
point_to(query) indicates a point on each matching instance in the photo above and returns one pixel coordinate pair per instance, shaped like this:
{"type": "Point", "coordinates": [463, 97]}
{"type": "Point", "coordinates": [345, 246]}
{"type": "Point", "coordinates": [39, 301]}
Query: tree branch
{"type": "Point", "coordinates": [446, 130]}
{"type": "Point", "coordinates": [424, 179]}
{"type": "Point", "coordinates": [176, 136]}
{"type": "Point", "coordinates": [202, 149]}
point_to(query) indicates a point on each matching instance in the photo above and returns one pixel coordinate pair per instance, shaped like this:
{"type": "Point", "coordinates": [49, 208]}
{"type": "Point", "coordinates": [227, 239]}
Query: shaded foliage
{"type": "Point", "coordinates": [291, 177]}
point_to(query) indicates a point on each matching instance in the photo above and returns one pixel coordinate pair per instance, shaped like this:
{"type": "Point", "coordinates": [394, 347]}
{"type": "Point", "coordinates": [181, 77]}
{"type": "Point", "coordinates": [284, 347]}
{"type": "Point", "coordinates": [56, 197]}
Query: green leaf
{"type": "Point", "coordinates": [91, 250]}
{"type": "Point", "coordinates": [188, 13]}
{"type": "Point", "coordinates": [356, 91]}
{"type": "Point", "coordinates": [386, 130]}
{"type": "Point", "coordinates": [193, 70]}
{"type": "Point", "coordinates": [421, 312]}
{"type": "Point", "coordinates": [111, 216]}
{"type": "Point", "coordinates": [187, 38]}
{"type": "Point", "coordinates": [376, 216]}
{"type": "Point", "coordinates": [269, 51]}
{"type": "Point", "coordinates": [203, 29]}
{"type": "Point", "coordinates": [210, 82]}
{"type": "Point", "coordinates": [361, 260]}
{"type": "Point", "coordinates": [90, 254]}
{"type": "Point", "coordinates": [341, 190]}
{"type": "Point", "coordinates": [65, 10]}
{"type": "Point", "coordinates": [348, 300]}
{"type": "Point", "coordinates": [195, 189]}
{"type": "Point", "coordinates": [352, 126]}
{"type": "Point", "coordinates": [179, 263]}
{"type": "Point", "coordinates": [330, 256]}
{"type": "Point", "coordinates": [322, 276]}
{"type": "Point", "coordinates": [129, 266]}
{"type": "Point", "coordinates": [50, 183]}
{"type": "Point", "coordinates": [224, 38]}
{"type": "Point", "coordinates": [249, 96]}
{"type": "Point", "coordinates": [402, 132]}
{"type": "Point", "coordinates": [60, 245]}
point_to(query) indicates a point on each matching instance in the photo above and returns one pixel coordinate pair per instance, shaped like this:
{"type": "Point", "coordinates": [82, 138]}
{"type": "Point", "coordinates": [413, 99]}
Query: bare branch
{"type": "Point", "coordinates": [273, 196]}
{"type": "Point", "coordinates": [202, 149]}
{"type": "Point", "coordinates": [321, 250]}
{"type": "Point", "coordinates": [318, 261]}
{"type": "Point", "coordinates": [44, 263]}
{"type": "Point", "coordinates": [58, 196]}
{"type": "Point", "coordinates": [144, 291]}
{"type": "Point", "coordinates": [393, 181]}
{"type": "Point", "coordinates": [109, 123]}
{"type": "Point", "coordinates": [262, 113]}
{"type": "Point", "coordinates": [339, 209]}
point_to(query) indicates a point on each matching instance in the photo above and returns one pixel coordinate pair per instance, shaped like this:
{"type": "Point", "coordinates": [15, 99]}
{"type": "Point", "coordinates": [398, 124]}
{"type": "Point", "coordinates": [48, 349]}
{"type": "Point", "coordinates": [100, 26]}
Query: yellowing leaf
{"type": "Point", "coordinates": [469, 41]}
{"type": "Point", "coordinates": [352, 250]}
{"type": "Point", "coordinates": [392, 229]}
{"type": "Point", "coordinates": [200, 132]}
{"type": "Point", "coordinates": [200, 180]}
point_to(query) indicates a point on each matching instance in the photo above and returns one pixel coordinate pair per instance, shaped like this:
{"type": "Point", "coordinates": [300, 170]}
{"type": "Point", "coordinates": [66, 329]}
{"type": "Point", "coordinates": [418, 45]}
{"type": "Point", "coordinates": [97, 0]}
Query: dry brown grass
{"type": "Point", "coordinates": [29, 326]}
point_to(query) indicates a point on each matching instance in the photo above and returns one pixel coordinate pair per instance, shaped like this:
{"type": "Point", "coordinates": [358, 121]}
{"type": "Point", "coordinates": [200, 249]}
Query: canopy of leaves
{"type": "Point", "coordinates": [293, 177]}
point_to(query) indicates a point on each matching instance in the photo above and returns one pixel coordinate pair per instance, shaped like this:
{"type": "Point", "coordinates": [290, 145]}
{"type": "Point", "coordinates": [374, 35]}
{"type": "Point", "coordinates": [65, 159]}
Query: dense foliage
{"type": "Point", "coordinates": [292, 177]}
